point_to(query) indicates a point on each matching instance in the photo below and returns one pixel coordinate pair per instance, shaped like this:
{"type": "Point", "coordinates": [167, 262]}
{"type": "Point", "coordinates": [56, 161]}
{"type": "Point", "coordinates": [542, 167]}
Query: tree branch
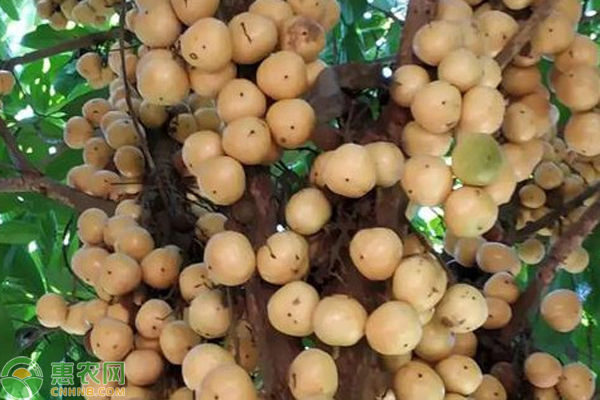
{"type": "Point", "coordinates": [63, 47]}
{"type": "Point", "coordinates": [553, 216]}
{"type": "Point", "coordinates": [56, 191]}
{"type": "Point", "coordinates": [19, 159]}
{"type": "Point", "coordinates": [516, 44]}
{"type": "Point", "coordinates": [530, 299]}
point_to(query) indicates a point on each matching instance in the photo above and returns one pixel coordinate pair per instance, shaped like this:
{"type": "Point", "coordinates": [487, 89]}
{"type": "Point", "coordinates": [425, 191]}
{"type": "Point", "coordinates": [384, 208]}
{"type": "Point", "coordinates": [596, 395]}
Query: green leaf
{"type": "Point", "coordinates": [10, 9]}
{"type": "Point", "coordinates": [7, 336]}
{"type": "Point", "coordinates": [18, 232]}
{"type": "Point", "coordinates": [74, 106]}
{"type": "Point", "coordinates": [52, 350]}
{"type": "Point", "coordinates": [62, 162]}
{"type": "Point", "coordinates": [44, 36]}
{"type": "Point", "coordinates": [67, 79]}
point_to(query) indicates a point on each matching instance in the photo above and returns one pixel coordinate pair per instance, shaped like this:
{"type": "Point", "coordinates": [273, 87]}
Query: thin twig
{"type": "Point", "coordinates": [516, 44]}
{"type": "Point", "coordinates": [136, 122]}
{"type": "Point", "coordinates": [530, 299]}
{"type": "Point", "coordinates": [18, 157]}
{"type": "Point", "coordinates": [553, 216]}
{"type": "Point", "coordinates": [63, 47]}
{"type": "Point", "coordinates": [55, 191]}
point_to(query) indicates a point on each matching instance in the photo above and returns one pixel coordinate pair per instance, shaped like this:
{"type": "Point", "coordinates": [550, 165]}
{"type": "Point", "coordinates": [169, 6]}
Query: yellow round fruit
{"type": "Point", "coordinates": [553, 35]}
{"type": "Point", "coordinates": [221, 180]}
{"type": "Point", "coordinates": [376, 252]}
{"type": "Point", "coordinates": [307, 211]}
{"type": "Point", "coordinates": [389, 162]}
{"type": "Point", "coordinates": [51, 310]}
{"type": "Point", "coordinates": [502, 285]}
{"type": "Point", "coordinates": [495, 257]}
{"type": "Point", "coordinates": [582, 51]}
{"type": "Point", "coordinates": [152, 74]}
{"type": "Point", "coordinates": [201, 360]}
{"type": "Point", "coordinates": [577, 382]}
{"type": "Point", "coordinates": [393, 328]}
{"type": "Point", "coordinates": [542, 370]}
{"type": "Point", "coordinates": [200, 146]}
{"type": "Point", "coordinates": [483, 110]}
{"type": "Point", "coordinates": [282, 75]}
{"type": "Point", "coordinates": [291, 308]}
{"type": "Point", "coordinates": [562, 310]}
{"type": "Point", "coordinates": [499, 313]}
{"type": "Point", "coordinates": [350, 171]}
{"type": "Point", "coordinates": [460, 374]}
{"type": "Point", "coordinates": [312, 373]}
{"type": "Point", "coordinates": [462, 309]}
{"type": "Point", "coordinates": [208, 314]}
{"type": "Point", "coordinates": [496, 28]}
{"type": "Point", "coordinates": [420, 281]}
{"type": "Point", "coordinates": [462, 68]}
{"type": "Point", "coordinates": [229, 258]}
{"type": "Point", "coordinates": [284, 258]}
{"type": "Point", "coordinates": [339, 320]}
{"type": "Point", "coordinates": [427, 180]}
{"type": "Point", "coordinates": [291, 122]}
{"type": "Point", "coordinates": [470, 212]}
{"type": "Point", "coordinates": [176, 340]}
{"type": "Point", "coordinates": [581, 133]}
{"type": "Point", "coordinates": [111, 340]}
{"type": "Point", "coordinates": [416, 141]}
{"type": "Point", "coordinates": [437, 342]}
{"type": "Point", "coordinates": [120, 274]}
{"type": "Point", "coordinates": [247, 139]}
{"type": "Point", "coordinates": [277, 11]}
{"type": "Point", "coordinates": [189, 12]}
{"type": "Point", "coordinates": [406, 81]}
{"type": "Point", "coordinates": [209, 84]}
{"type": "Point", "coordinates": [160, 268]}
{"type": "Point", "coordinates": [207, 44]}
{"type": "Point", "coordinates": [157, 25]}
{"type": "Point", "coordinates": [228, 381]}
{"type": "Point", "coordinates": [253, 37]}
{"type": "Point", "coordinates": [416, 380]}
{"type": "Point", "coordinates": [437, 106]}
{"type": "Point", "coordinates": [240, 98]}
{"type": "Point", "coordinates": [490, 389]}
{"type": "Point", "coordinates": [435, 40]}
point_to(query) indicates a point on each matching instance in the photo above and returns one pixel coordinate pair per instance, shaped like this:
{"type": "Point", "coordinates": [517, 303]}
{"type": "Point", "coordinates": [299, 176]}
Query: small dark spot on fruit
{"type": "Point", "coordinates": [193, 56]}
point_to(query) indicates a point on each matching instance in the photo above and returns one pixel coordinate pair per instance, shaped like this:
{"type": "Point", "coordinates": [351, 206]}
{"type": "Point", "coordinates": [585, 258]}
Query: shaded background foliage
{"type": "Point", "coordinates": [38, 237]}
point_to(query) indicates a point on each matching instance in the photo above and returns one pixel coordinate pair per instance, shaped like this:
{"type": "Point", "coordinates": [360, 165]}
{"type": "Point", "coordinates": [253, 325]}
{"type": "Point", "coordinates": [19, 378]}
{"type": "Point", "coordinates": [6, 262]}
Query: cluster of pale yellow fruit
{"type": "Point", "coordinates": [84, 12]}
{"type": "Point", "coordinates": [184, 78]}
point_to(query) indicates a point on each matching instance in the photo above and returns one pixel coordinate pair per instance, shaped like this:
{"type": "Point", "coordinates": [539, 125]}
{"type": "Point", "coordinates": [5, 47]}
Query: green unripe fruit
{"type": "Point", "coordinates": [477, 159]}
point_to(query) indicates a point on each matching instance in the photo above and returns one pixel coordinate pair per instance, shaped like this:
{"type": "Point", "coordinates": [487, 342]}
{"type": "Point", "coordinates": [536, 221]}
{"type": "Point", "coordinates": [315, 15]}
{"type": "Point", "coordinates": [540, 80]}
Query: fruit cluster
{"type": "Point", "coordinates": [231, 95]}
{"type": "Point", "coordinates": [84, 12]}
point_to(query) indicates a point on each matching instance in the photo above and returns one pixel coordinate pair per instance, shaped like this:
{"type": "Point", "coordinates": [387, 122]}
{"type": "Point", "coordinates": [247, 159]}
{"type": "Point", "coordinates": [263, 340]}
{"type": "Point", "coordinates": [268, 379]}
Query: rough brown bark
{"type": "Point", "coordinates": [361, 374]}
